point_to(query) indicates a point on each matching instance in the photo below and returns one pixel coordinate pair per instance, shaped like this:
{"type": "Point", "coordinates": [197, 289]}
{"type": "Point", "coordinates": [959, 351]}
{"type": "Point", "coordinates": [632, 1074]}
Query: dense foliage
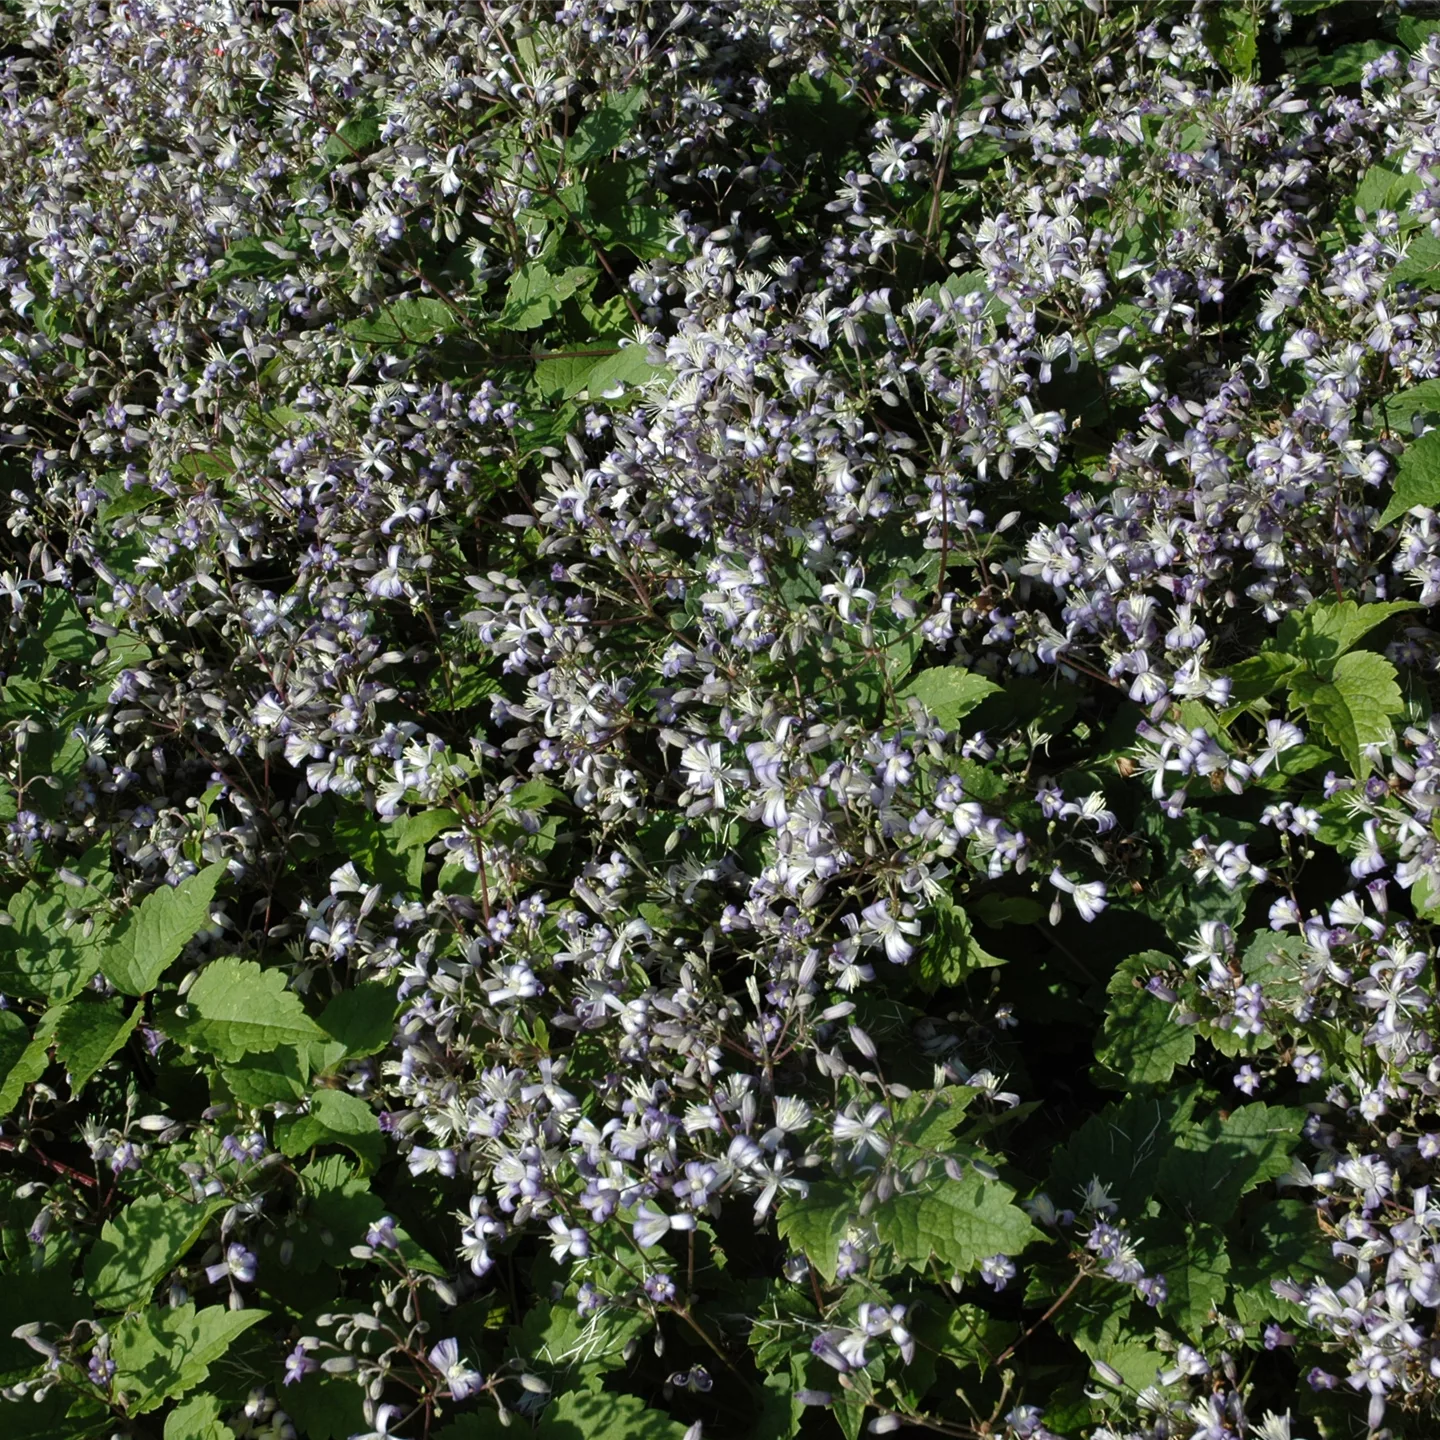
{"type": "Point", "coordinates": [720, 716]}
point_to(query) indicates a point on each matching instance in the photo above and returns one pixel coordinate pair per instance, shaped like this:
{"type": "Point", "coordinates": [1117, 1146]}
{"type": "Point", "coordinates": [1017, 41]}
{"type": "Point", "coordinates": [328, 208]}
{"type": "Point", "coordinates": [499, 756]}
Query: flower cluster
{"type": "Point", "coordinates": [721, 709]}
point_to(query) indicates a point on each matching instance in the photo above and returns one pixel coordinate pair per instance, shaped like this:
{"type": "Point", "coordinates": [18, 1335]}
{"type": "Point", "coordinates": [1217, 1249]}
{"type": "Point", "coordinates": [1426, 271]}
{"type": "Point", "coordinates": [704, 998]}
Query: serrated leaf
{"type": "Point", "coordinates": [554, 1338]}
{"type": "Point", "coordinates": [414, 321]}
{"type": "Point", "coordinates": [602, 128]}
{"type": "Point", "coordinates": [640, 229]}
{"type": "Point", "coordinates": [355, 136]}
{"type": "Point", "coordinates": [1231, 37]}
{"type": "Point", "coordinates": [88, 1033]}
{"type": "Point", "coordinates": [959, 1222]}
{"type": "Point", "coordinates": [1281, 1241]}
{"type": "Point", "coordinates": [340, 1208]}
{"type": "Point", "coordinates": [277, 1076]}
{"type": "Point", "coordinates": [927, 1121]}
{"type": "Point", "coordinates": [948, 693]}
{"type": "Point", "coordinates": [152, 936]}
{"type": "Point", "coordinates": [1141, 1044]}
{"type": "Point", "coordinates": [1325, 630]}
{"type": "Point", "coordinates": [1257, 676]}
{"type": "Point", "coordinates": [361, 1019]}
{"type": "Point", "coordinates": [335, 1117]}
{"type": "Point", "coordinates": [1412, 31]}
{"type": "Point", "coordinates": [23, 1059]}
{"type": "Point", "coordinates": [950, 952]}
{"type": "Point", "coordinates": [163, 1352]}
{"type": "Point", "coordinates": [1417, 478]}
{"type": "Point", "coordinates": [1401, 409]}
{"type": "Point", "coordinates": [1420, 263]}
{"type": "Point", "coordinates": [235, 1008]}
{"type": "Point", "coordinates": [536, 293]}
{"type": "Point", "coordinates": [627, 368]}
{"type": "Point", "coordinates": [61, 634]}
{"type": "Point", "coordinates": [1213, 1164]}
{"type": "Point", "coordinates": [603, 1415]}
{"type": "Point", "coordinates": [816, 1224]}
{"type": "Point", "coordinates": [967, 1335]}
{"type": "Point", "coordinates": [330, 1407]}
{"type": "Point", "coordinates": [1195, 1271]}
{"type": "Point", "coordinates": [1386, 187]}
{"type": "Point", "coordinates": [562, 377]}
{"type": "Point", "coordinates": [42, 957]}
{"type": "Point", "coordinates": [197, 1417]}
{"type": "Point", "coordinates": [1122, 1147]}
{"type": "Point", "coordinates": [1345, 65]}
{"type": "Point", "coordinates": [1354, 706]}
{"type": "Point", "coordinates": [141, 1245]}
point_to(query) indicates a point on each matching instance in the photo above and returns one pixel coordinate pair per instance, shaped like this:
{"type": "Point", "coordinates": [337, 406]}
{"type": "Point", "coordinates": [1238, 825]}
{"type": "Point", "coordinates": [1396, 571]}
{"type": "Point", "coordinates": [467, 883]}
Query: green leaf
{"type": "Point", "coordinates": [1141, 1044]}
{"type": "Point", "coordinates": [959, 1222]}
{"type": "Point", "coordinates": [1353, 707]}
{"type": "Point", "coordinates": [335, 1117]}
{"type": "Point", "coordinates": [536, 293]}
{"type": "Point", "coordinates": [1281, 1241]}
{"type": "Point", "coordinates": [948, 692]}
{"type": "Point", "coordinates": [163, 1352]}
{"type": "Point", "coordinates": [1195, 1270]}
{"type": "Point", "coordinates": [1231, 36]}
{"type": "Point", "coordinates": [951, 953]}
{"type": "Point", "coordinates": [641, 229]}
{"type": "Point", "coordinates": [1412, 31]}
{"type": "Point", "coordinates": [1122, 1147]}
{"type": "Point", "coordinates": [331, 1407]}
{"type": "Point", "coordinates": [60, 635]}
{"type": "Point", "coordinates": [31, 1059]}
{"type": "Point", "coordinates": [1386, 187]}
{"type": "Point", "coordinates": [1417, 479]}
{"type": "Point", "coordinates": [1403, 408]}
{"type": "Point", "coordinates": [393, 853]}
{"type": "Point", "coordinates": [355, 136]}
{"type": "Point", "coordinates": [556, 1338]}
{"type": "Point", "coordinates": [197, 1418]}
{"type": "Point", "coordinates": [340, 1208]}
{"type": "Point", "coordinates": [603, 128]}
{"type": "Point", "coordinates": [1213, 1164]}
{"type": "Point", "coordinates": [997, 911]}
{"type": "Point", "coordinates": [602, 1415]}
{"type": "Point", "coordinates": [1345, 65]}
{"type": "Point", "coordinates": [927, 1121]}
{"type": "Point", "coordinates": [1326, 629]}
{"type": "Point", "coordinates": [152, 936]}
{"type": "Point", "coordinates": [1258, 676]}
{"type": "Point", "coordinates": [476, 1425]}
{"type": "Point", "coordinates": [361, 1019]}
{"type": "Point", "coordinates": [89, 1032]}
{"type": "Point", "coordinates": [1419, 264]}
{"type": "Point", "coordinates": [414, 321]}
{"type": "Point", "coordinates": [277, 1076]}
{"type": "Point", "coordinates": [627, 368]}
{"type": "Point", "coordinates": [235, 1009]}
{"type": "Point", "coordinates": [966, 1335]}
{"type": "Point", "coordinates": [141, 1245]}
{"type": "Point", "coordinates": [14, 1041]}
{"type": "Point", "coordinates": [563, 377]}
{"type": "Point", "coordinates": [817, 1224]}
{"type": "Point", "coordinates": [42, 956]}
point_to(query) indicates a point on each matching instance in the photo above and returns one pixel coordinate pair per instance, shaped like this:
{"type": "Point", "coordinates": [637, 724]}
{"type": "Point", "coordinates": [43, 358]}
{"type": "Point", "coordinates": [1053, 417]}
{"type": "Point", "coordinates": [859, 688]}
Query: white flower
{"type": "Point", "coordinates": [462, 1380]}
{"type": "Point", "coordinates": [1089, 897]}
{"type": "Point", "coordinates": [880, 927]}
{"type": "Point", "coordinates": [862, 1133]}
